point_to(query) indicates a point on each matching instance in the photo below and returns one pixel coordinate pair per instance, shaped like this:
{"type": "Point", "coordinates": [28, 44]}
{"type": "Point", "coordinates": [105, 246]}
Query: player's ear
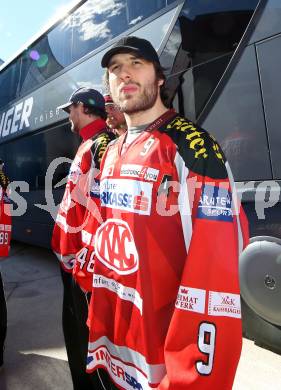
{"type": "Point", "coordinates": [84, 109]}
{"type": "Point", "coordinates": [160, 82]}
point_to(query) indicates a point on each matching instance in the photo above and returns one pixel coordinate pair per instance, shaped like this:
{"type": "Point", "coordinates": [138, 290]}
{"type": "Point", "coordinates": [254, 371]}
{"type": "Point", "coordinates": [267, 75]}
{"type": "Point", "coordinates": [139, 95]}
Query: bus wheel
{"type": "Point", "coordinates": [260, 282]}
{"type": "Point", "coordinates": [263, 333]}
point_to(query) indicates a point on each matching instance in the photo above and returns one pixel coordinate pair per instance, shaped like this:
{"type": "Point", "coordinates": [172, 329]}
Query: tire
{"type": "Point", "coordinates": [260, 283]}
{"type": "Point", "coordinates": [263, 333]}
{"type": "Point", "coordinates": [260, 277]}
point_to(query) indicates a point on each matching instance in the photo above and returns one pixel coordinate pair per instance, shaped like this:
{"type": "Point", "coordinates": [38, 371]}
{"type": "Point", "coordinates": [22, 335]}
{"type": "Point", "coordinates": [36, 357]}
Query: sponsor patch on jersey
{"type": "Point", "coordinates": [127, 195]}
{"type": "Point", "coordinates": [224, 304]}
{"type": "Point", "coordinates": [86, 237]}
{"type": "Point", "coordinates": [191, 299]}
{"type": "Point", "coordinates": [107, 171]}
{"type": "Point", "coordinates": [125, 375]}
{"type": "Point", "coordinates": [139, 171]}
{"type": "Point", "coordinates": [215, 204]}
{"type": "Point", "coordinates": [116, 248]}
{"type": "Point", "coordinates": [124, 292]}
{"type": "Point", "coordinates": [5, 228]}
{"type": "Point", "coordinates": [75, 172]}
{"type": "Point", "coordinates": [194, 136]}
{"type": "Point", "coordinates": [95, 189]}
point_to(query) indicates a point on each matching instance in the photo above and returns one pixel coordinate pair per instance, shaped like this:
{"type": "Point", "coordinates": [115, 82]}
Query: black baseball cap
{"type": "Point", "coordinates": [142, 47]}
{"type": "Point", "coordinates": [88, 96]}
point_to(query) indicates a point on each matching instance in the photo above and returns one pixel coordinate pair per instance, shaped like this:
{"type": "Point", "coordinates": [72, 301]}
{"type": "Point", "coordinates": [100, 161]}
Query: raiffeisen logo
{"type": "Point", "coordinates": [16, 118]}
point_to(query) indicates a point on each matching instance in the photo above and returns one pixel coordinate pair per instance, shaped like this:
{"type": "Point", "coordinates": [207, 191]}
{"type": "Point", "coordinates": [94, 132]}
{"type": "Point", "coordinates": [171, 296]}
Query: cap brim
{"type": "Point", "coordinates": [65, 107]}
{"type": "Point", "coordinates": [115, 50]}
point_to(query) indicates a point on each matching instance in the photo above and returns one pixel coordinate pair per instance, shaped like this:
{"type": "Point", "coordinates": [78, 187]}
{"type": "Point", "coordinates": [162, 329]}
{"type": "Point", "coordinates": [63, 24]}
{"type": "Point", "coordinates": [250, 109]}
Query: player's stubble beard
{"type": "Point", "coordinates": [74, 126]}
{"type": "Point", "coordinates": [130, 104]}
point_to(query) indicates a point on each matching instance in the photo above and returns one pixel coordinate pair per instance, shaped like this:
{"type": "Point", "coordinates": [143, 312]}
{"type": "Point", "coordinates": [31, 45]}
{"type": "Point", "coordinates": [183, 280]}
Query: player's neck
{"type": "Point", "coordinates": [148, 116]}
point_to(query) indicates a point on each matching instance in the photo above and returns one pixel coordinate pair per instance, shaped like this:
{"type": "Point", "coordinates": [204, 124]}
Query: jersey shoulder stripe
{"type": "Point", "coordinates": [99, 146]}
{"type": "Point", "coordinates": [4, 181]}
{"type": "Point", "coordinates": [200, 151]}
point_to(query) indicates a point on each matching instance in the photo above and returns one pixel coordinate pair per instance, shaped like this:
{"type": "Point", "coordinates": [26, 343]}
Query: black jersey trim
{"type": "Point", "coordinates": [199, 150]}
{"type": "Point", "coordinates": [100, 145]}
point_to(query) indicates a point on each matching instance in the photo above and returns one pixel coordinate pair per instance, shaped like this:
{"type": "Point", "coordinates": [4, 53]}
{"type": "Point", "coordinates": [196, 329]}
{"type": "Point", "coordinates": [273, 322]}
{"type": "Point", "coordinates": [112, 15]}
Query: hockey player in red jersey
{"type": "Point", "coordinates": [83, 269]}
{"type": "Point", "coordinates": [86, 109]}
{"type": "Point", "coordinates": [165, 307]}
{"type": "Point", "coordinates": [5, 238]}
{"type": "Point", "coordinates": [115, 118]}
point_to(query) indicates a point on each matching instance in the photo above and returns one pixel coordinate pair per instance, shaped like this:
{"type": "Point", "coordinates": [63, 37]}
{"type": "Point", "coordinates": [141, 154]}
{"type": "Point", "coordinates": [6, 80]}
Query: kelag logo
{"type": "Point", "coordinates": [115, 247]}
{"type": "Point", "coordinates": [215, 204]}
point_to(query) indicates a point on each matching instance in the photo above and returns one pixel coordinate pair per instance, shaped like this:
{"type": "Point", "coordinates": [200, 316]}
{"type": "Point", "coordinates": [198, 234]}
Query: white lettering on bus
{"type": "Point", "coordinates": [26, 112]}
{"type": "Point", "coordinates": [16, 118]}
{"type": "Point", "coordinates": [8, 122]}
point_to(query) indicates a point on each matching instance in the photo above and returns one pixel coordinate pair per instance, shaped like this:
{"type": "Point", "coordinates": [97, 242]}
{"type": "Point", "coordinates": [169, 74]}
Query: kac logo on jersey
{"type": "Point", "coordinates": [115, 247]}
{"type": "Point", "coordinates": [215, 204]}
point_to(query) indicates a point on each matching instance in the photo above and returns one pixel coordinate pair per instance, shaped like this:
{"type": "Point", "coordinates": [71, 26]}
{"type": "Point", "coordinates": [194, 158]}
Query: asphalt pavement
{"type": "Point", "coordinates": [35, 356]}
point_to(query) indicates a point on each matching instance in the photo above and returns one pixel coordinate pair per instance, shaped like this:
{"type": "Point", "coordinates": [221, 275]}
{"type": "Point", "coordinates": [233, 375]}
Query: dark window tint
{"type": "Point", "coordinates": [28, 158]}
{"type": "Point", "coordinates": [203, 40]}
{"type": "Point", "coordinates": [95, 23]}
{"type": "Point", "coordinates": [61, 42]}
{"type": "Point", "coordinates": [89, 27]}
{"type": "Point", "coordinates": [38, 64]}
{"type": "Point", "coordinates": [9, 80]}
{"type": "Point", "coordinates": [138, 10]}
{"type": "Point", "coordinates": [269, 22]}
{"type": "Point", "coordinates": [271, 87]}
{"type": "Point", "coordinates": [236, 119]}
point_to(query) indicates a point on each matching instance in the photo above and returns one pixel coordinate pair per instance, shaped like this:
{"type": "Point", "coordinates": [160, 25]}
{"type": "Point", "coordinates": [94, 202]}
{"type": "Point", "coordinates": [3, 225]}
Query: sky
{"type": "Point", "coordinates": [20, 20]}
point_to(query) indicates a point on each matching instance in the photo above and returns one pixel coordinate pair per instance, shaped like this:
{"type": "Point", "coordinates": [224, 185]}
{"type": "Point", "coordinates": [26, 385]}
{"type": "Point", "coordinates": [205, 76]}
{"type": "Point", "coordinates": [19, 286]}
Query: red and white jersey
{"type": "Point", "coordinates": [67, 234]}
{"type": "Point", "coordinates": [165, 308]}
{"type": "Point", "coordinates": [5, 216]}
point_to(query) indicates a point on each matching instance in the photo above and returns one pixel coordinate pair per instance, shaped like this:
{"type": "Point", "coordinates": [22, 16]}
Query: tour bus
{"type": "Point", "coordinates": [222, 60]}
